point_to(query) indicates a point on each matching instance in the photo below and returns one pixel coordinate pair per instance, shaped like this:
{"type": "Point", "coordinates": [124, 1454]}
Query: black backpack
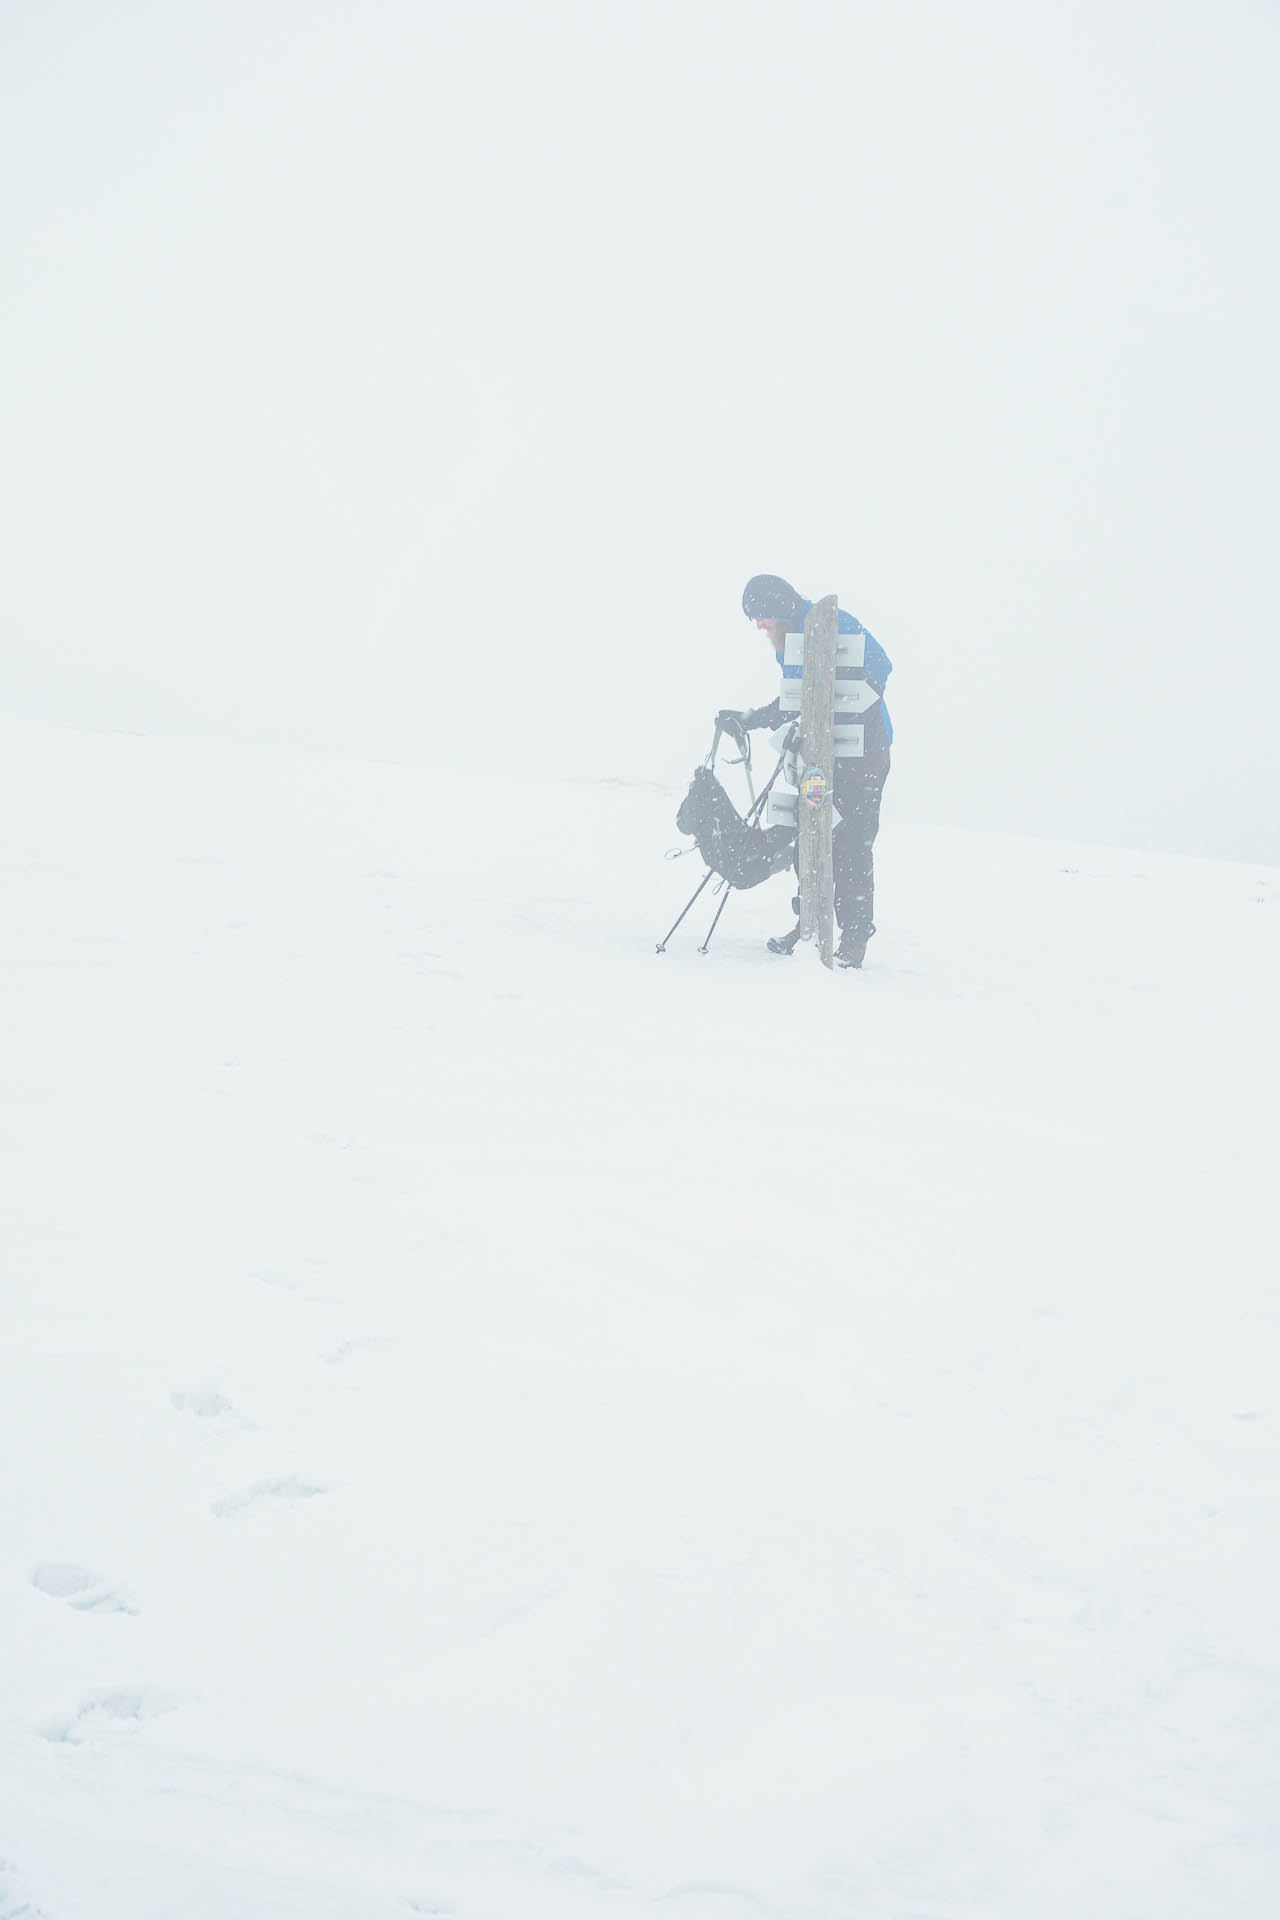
{"type": "Point", "coordinates": [744, 855]}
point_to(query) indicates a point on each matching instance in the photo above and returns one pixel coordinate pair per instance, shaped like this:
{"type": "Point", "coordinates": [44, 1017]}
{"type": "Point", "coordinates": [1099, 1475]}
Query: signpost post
{"type": "Point", "coordinates": [817, 753]}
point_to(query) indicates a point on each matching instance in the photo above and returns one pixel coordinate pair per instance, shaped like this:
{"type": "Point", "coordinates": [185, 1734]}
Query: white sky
{"type": "Point", "coordinates": [346, 343]}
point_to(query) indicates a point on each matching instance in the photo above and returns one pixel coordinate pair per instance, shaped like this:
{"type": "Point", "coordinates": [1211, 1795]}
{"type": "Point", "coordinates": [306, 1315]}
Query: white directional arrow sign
{"type": "Point", "coordinates": [854, 692]}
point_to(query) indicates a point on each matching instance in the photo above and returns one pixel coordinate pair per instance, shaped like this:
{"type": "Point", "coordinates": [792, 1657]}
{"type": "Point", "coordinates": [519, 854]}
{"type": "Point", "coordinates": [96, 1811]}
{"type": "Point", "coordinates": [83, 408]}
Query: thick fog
{"type": "Point", "coordinates": [353, 348]}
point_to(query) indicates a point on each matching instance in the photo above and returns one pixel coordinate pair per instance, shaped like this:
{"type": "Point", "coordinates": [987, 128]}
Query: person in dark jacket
{"type": "Point", "coordinates": [777, 609]}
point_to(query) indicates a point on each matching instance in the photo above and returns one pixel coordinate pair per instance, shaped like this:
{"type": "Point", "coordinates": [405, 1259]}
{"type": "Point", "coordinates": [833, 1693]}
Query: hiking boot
{"type": "Point", "coordinates": [851, 952]}
{"type": "Point", "coordinates": [785, 942]}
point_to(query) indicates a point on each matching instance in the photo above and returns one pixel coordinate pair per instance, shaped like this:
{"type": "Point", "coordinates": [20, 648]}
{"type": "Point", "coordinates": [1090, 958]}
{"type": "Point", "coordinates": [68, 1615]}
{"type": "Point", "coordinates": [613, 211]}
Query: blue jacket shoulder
{"type": "Point", "coordinates": [878, 664]}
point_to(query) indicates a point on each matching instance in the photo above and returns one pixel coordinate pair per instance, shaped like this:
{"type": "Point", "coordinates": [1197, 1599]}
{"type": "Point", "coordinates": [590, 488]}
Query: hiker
{"type": "Point", "coordinates": [777, 609]}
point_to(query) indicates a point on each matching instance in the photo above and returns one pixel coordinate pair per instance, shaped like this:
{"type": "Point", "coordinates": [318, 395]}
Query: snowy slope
{"type": "Point", "coordinates": [433, 1482]}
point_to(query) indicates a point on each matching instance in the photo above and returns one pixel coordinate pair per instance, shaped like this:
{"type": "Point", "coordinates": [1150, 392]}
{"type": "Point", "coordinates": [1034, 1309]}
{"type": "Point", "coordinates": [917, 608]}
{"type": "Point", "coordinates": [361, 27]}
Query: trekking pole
{"type": "Point", "coordinates": [708, 875]}
{"type": "Point", "coordinates": [756, 810]}
{"type": "Point", "coordinates": [710, 761]}
{"type": "Point", "coordinates": [744, 741]}
{"type": "Point", "coordinates": [716, 922]}
{"type": "Point", "coordinates": [758, 806]}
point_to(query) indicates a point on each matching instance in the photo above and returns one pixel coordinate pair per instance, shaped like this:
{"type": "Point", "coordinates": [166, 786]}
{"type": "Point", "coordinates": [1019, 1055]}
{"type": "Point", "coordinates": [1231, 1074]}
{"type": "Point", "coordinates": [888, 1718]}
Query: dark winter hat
{"type": "Point", "coordinates": [766, 597]}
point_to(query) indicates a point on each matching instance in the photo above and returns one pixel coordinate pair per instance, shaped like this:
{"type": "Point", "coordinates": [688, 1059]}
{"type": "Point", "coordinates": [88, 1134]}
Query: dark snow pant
{"type": "Point", "coordinates": [858, 786]}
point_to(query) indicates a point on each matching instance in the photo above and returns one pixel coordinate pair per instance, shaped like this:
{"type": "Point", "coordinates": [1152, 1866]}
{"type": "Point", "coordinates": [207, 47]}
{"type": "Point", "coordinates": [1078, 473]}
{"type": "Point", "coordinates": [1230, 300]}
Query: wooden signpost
{"type": "Point", "coordinates": [824, 687]}
{"type": "Point", "coordinates": [817, 755]}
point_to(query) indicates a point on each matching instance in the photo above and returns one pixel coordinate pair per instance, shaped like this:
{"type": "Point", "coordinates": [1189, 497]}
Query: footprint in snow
{"type": "Point", "coordinates": [82, 1589]}
{"type": "Point", "coordinates": [354, 1344]}
{"type": "Point", "coordinates": [289, 1490]}
{"type": "Point", "coordinates": [289, 1283]}
{"type": "Point", "coordinates": [109, 1711]}
{"type": "Point", "coordinates": [210, 1406]}
{"type": "Point", "coordinates": [722, 1890]}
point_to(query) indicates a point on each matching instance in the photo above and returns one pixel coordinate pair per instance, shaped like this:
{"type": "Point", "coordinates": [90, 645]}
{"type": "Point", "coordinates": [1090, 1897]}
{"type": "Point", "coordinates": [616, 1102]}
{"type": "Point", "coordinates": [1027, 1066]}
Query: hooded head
{"type": "Point", "coordinates": [768, 597]}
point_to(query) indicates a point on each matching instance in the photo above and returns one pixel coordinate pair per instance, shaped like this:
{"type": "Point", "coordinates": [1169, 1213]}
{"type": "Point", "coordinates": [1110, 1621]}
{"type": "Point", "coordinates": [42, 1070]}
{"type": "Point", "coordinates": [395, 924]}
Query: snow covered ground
{"type": "Point", "coordinates": [439, 1474]}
